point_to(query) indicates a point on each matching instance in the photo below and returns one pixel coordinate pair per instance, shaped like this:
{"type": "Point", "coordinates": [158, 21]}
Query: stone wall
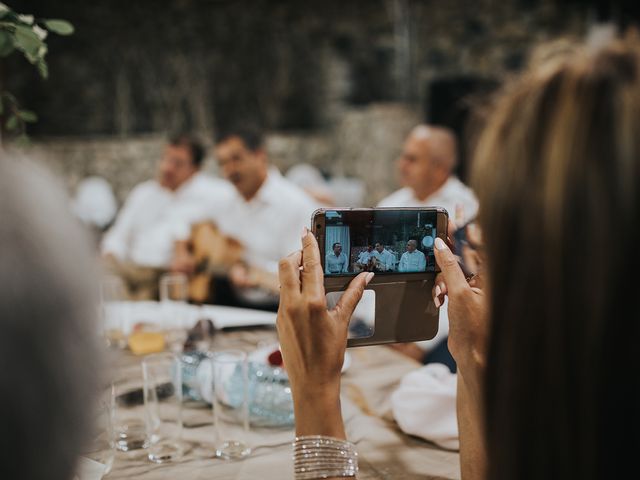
{"type": "Point", "coordinates": [336, 84]}
{"type": "Point", "coordinates": [364, 144]}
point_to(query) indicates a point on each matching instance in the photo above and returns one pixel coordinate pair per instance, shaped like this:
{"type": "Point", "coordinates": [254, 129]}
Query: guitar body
{"type": "Point", "coordinates": [214, 253]}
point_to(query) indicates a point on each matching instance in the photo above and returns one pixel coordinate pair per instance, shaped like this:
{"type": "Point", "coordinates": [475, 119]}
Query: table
{"type": "Point", "coordinates": [384, 451]}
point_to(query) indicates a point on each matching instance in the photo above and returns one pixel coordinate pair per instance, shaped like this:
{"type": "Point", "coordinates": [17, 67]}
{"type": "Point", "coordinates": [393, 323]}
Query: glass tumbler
{"type": "Point", "coordinates": [162, 374]}
{"type": "Point", "coordinates": [230, 404]}
{"type": "Point", "coordinates": [174, 295]}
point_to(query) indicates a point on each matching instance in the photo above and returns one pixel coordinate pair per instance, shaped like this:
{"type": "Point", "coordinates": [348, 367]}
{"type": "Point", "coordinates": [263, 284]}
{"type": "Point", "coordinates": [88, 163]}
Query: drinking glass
{"type": "Point", "coordinates": [113, 310]}
{"type": "Point", "coordinates": [100, 451]}
{"type": "Point", "coordinates": [230, 404]}
{"type": "Point", "coordinates": [129, 416]}
{"type": "Point", "coordinates": [162, 374]}
{"type": "Point", "coordinates": [174, 293]}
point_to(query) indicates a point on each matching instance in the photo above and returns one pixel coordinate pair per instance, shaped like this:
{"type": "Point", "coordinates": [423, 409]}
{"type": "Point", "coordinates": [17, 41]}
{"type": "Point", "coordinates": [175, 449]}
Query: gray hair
{"type": "Point", "coordinates": [47, 345]}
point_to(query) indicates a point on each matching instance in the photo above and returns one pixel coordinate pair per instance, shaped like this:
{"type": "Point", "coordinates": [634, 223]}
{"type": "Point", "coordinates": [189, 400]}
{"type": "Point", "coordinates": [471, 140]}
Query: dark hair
{"type": "Point", "coordinates": [192, 143]}
{"type": "Point", "coordinates": [47, 325]}
{"type": "Point", "coordinates": [251, 135]}
{"type": "Point", "coordinates": [557, 172]}
{"type": "Point", "coordinates": [334, 245]}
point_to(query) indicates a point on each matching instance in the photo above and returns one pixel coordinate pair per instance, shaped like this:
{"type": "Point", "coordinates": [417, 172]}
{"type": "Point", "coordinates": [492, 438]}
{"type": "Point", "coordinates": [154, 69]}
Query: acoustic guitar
{"type": "Point", "coordinates": [215, 254]}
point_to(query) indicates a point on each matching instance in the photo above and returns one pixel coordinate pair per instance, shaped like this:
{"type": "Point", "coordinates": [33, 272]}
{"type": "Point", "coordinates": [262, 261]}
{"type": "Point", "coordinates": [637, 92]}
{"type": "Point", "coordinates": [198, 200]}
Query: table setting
{"type": "Point", "coordinates": [206, 395]}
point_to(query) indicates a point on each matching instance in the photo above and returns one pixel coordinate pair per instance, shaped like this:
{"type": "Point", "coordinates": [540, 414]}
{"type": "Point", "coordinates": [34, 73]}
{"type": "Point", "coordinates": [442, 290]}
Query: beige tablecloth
{"type": "Point", "coordinates": [384, 451]}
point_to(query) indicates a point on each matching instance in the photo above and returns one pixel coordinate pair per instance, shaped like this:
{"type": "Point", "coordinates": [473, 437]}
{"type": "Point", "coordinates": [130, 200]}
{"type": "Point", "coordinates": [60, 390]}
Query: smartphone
{"type": "Point", "coordinates": [387, 241]}
{"type": "Point", "coordinates": [397, 245]}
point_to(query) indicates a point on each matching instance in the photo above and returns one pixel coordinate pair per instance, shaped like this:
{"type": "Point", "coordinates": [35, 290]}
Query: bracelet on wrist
{"type": "Point", "coordinates": [320, 456]}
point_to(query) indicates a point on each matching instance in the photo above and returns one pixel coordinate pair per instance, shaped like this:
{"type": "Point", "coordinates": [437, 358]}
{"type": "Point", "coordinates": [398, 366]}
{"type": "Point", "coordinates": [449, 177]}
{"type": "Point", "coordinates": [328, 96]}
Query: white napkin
{"type": "Point", "coordinates": [425, 405]}
{"type": "Point", "coordinates": [88, 469]}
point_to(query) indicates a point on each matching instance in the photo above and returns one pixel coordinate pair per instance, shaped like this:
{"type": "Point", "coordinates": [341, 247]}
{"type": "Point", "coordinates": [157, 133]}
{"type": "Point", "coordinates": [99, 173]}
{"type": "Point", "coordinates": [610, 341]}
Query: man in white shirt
{"type": "Point", "coordinates": [150, 234]}
{"type": "Point", "coordinates": [336, 261]}
{"type": "Point", "coordinates": [364, 258]}
{"type": "Point", "coordinates": [385, 259]}
{"type": "Point", "coordinates": [426, 168]}
{"type": "Point", "coordinates": [413, 260]}
{"type": "Point", "coordinates": [265, 212]}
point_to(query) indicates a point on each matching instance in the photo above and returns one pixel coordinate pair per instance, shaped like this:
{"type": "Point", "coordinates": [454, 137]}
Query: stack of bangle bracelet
{"type": "Point", "coordinates": [318, 456]}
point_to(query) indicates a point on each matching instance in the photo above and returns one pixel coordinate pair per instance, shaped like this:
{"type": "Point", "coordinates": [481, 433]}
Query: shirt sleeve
{"type": "Point", "coordinates": [402, 266]}
{"type": "Point", "coordinates": [116, 240]}
{"type": "Point", "coordinates": [345, 264]}
{"type": "Point", "coordinates": [423, 262]}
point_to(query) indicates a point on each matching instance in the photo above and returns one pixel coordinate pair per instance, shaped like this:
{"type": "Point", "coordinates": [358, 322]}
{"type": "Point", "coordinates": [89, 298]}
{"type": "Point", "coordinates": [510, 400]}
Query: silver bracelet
{"type": "Point", "coordinates": [319, 456]}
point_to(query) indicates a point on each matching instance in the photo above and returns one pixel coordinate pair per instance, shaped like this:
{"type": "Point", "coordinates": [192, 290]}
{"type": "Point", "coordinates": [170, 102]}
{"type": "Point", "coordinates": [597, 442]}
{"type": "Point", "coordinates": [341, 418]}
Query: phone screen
{"type": "Point", "coordinates": [382, 241]}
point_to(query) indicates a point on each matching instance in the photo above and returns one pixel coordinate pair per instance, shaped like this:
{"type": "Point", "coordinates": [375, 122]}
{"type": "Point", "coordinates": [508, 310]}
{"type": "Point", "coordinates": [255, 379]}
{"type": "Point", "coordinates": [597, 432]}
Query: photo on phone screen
{"type": "Point", "coordinates": [381, 241]}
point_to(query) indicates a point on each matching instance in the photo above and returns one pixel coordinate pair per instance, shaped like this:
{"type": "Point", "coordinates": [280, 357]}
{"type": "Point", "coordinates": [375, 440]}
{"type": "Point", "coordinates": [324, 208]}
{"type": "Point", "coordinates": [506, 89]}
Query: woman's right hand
{"type": "Point", "coordinates": [313, 339]}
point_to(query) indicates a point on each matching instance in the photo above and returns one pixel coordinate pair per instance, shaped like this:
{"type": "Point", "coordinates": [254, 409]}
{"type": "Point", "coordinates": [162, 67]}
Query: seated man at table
{"type": "Point", "coordinates": [413, 260]}
{"type": "Point", "coordinates": [265, 213]}
{"type": "Point", "coordinates": [150, 234]}
{"type": "Point", "coordinates": [385, 260]}
{"type": "Point", "coordinates": [336, 261]}
{"type": "Point", "coordinates": [426, 165]}
{"type": "Point", "coordinates": [364, 263]}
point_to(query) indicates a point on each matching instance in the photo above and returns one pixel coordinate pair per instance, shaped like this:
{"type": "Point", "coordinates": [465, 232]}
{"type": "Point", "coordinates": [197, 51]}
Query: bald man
{"type": "Point", "coordinates": [425, 168]}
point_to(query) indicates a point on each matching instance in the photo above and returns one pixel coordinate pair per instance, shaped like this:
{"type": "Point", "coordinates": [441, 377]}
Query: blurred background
{"type": "Point", "coordinates": [336, 84]}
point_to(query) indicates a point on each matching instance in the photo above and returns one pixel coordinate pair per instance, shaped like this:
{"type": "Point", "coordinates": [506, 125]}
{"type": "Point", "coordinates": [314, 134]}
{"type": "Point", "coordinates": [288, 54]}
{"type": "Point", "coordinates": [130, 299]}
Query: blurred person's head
{"type": "Point", "coordinates": [337, 248]}
{"type": "Point", "coordinates": [369, 248]}
{"type": "Point", "coordinates": [243, 159]}
{"type": "Point", "coordinates": [428, 158]}
{"type": "Point", "coordinates": [379, 247]}
{"type": "Point", "coordinates": [47, 349]}
{"type": "Point", "coordinates": [411, 245]}
{"type": "Point", "coordinates": [182, 157]}
{"type": "Point", "coordinates": [557, 172]}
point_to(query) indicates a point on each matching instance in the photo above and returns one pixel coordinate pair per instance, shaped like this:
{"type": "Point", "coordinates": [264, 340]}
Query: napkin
{"type": "Point", "coordinates": [88, 469]}
{"type": "Point", "coordinates": [425, 405]}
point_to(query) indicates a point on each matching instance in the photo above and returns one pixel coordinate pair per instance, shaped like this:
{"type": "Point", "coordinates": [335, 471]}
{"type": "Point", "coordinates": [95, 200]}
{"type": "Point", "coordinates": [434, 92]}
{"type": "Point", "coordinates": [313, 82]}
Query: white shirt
{"type": "Point", "coordinates": [364, 256]}
{"type": "Point", "coordinates": [412, 262]}
{"type": "Point", "coordinates": [336, 263]}
{"type": "Point", "coordinates": [386, 258]}
{"type": "Point", "coordinates": [449, 196]}
{"type": "Point", "coordinates": [270, 224]}
{"type": "Point", "coordinates": [153, 218]}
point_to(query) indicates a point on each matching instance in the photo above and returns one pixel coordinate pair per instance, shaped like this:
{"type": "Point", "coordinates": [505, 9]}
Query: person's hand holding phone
{"type": "Point", "coordinates": [467, 309]}
{"type": "Point", "coordinates": [313, 339]}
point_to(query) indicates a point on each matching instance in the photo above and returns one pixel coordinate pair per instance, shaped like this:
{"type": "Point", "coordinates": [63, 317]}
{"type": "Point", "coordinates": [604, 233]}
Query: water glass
{"type": "Point", "coordinates": [230, 404]}
{"type": "Point", "coordinates": [100, 451]}
{"type": "Point", "coordinates": [129, 425]}
{"type": "Point", "coordinates": [162, 375]}
{"type": "Point", "coordinates": [113, 304]}
{"type": "Point", "coordinates": [174, 294]}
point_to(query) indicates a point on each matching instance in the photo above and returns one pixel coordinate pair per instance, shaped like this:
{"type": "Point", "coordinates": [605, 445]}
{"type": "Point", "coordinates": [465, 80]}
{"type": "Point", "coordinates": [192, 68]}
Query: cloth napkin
{"type": "Point", "coordinates": [89, 469]}
{"type": "Point", "coordinates": [425, 405]}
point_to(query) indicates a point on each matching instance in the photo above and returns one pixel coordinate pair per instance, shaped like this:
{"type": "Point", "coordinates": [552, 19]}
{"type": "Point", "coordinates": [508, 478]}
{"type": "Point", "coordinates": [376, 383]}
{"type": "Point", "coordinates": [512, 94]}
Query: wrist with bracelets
{"type": "Point", "coordinates": [319, 456]}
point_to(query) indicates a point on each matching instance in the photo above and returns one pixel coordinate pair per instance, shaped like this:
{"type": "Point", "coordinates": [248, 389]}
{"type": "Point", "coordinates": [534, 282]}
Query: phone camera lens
{"type": "Point", "coordinates": [318, 226]}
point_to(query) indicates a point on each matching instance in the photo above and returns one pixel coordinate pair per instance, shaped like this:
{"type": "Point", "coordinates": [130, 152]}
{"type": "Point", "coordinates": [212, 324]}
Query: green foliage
{"type": "Point", "coordinates": [25, 34]}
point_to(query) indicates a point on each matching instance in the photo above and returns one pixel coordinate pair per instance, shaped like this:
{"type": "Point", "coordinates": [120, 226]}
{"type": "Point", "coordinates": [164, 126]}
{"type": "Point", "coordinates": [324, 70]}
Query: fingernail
{"type": "Point", "coordinates": [436, 301]}
{"type": "Point", "coordinates": [304, 232]}
{"type": "Point", "coordinates": [440, 245]}
{"type": "Point", "coordinates": [369, 277]}
{"type": "Point", "coordinates": [438, 291]}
